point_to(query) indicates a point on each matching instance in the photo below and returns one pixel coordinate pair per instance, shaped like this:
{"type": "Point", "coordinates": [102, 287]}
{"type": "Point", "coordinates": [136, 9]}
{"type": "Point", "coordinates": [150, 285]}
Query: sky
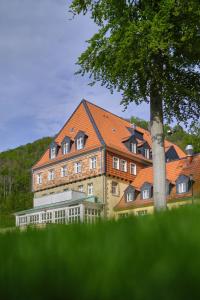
{"type": "Point", "coordinates": [39, 47]}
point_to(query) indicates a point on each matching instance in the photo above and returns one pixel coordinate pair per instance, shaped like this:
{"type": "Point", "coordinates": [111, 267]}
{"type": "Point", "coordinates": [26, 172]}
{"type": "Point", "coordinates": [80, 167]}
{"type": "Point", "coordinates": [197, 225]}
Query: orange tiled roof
{"type": "Point", "coordinates": [114, 129]}
{"type": "Point", "coordinates": [185, 166]}
{"type": "Point", "coordinates": [101, 127]}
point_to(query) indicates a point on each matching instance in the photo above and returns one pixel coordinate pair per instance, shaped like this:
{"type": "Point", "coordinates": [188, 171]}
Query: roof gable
{"type": "Point", "coordinates": [79, 121]}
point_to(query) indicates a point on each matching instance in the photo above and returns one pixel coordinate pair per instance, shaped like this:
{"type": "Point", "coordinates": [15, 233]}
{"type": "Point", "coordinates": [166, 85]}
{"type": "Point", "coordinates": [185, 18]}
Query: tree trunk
{"type": "Point", "coordinates": [158, 151]}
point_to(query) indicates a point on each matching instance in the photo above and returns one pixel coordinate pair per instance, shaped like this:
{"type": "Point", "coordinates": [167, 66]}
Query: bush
{"type": "Point", "coordinates": [151, 257]}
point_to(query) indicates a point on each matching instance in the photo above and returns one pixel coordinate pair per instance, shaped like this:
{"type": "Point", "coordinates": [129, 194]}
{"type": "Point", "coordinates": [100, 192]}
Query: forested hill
{"type": "Point", "coordinates": [15, 175]}
{"type": "Point", "coordinates": [15, 166]}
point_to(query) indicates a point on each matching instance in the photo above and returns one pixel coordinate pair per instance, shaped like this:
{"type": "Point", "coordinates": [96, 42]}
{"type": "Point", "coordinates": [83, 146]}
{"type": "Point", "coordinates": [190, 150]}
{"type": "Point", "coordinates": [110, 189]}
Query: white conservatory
{"type": "Point", "coordinates": [64, 208]}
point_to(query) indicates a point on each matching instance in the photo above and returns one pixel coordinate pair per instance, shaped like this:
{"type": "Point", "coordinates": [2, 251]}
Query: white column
{"type": "Point", "coordinates": [82, 212]}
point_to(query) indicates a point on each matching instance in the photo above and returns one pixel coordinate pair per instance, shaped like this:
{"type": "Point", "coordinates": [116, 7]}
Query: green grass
{"type": "Point", "coordinates": [151, 257]}
{"type": "Point", "coordinates": [7, 221]}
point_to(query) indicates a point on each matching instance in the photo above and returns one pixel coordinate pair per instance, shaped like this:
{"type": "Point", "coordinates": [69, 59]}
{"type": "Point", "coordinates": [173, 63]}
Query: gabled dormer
{"type": "Point", "coordinates": [131, 143]}
{"type": "Point", "coordinates": [53, 150]}
{"type": "Point", "coordinates": [80, 140]}
{"type": "Point", "coordinates": [146, 191]}
{"type": "Point", "coordinates": [145, 150]}
{"type": "Point", "coordinates": [183, 184]}
{"type": "Point", "coordinates": [171, 154]}
{"type": "Point", "coordinates": [66, 145]}
{"type": "Point", "coordinates": [129, 194]}
{"type": "Point", "coordinates": [138, 134]}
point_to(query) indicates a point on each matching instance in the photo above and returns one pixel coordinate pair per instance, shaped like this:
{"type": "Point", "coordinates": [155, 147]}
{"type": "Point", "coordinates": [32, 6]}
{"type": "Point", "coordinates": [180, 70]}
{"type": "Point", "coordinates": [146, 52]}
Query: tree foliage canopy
{"type": "Point", "coordinates": [145, 42]}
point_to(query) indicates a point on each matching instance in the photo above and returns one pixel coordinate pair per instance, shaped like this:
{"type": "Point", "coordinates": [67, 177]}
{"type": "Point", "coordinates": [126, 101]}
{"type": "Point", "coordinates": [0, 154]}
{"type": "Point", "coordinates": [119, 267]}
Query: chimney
{"type": "Point", "coordinates": [189, 152]}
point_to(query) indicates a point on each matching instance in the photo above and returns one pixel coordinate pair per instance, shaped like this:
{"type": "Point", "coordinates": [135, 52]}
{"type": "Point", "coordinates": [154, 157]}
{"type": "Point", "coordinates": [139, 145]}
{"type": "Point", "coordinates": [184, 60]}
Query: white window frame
{"type": "Point", "coordinates": [65, 148]}
{"type": "Point", "coordinates": [39, 178]}
{"type": "Point", "coordinates": [145, 194]}
{"type": "Point", "coordinates": [129, 197]}
{"type": "Point", "coordinates": [133, 147]}
{"type": "Point", "coordinates": [77, 167]}
{"type": "Point", "coordinates": [147, 153]}
{"type": "Point", "coordinates": [93, 162]}
{"type": "Point", "coordinates": [80, 188]}
{"type": "Point", "coordinates": [51, 175]}
{"type": "Point", "coordinates": [53, 152]}
{"type": "Point", "coordinates": [63, 171]}
{"type": "Point", "coordinates": [115, 163]}
{"type": "Point", "coordinates": [133, 169]}
{"type": "Point", "coordinates": [123, 163]}
{"type": "Point", "coordinates": [115, 188]}
{"type": "Point", "coordinates": [182, 187]}
{"type": "Point", "coordinates": [80, 143]}
{"type": "Point", "coordinates": [90, 189]}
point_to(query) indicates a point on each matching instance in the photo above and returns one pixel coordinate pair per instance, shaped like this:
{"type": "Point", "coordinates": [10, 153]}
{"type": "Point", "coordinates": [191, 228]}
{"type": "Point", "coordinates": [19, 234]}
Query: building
{"type": "Point", "coordinates": [97, 166]}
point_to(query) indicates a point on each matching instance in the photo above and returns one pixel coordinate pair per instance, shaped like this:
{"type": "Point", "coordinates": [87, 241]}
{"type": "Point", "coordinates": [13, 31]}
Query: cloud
{"type": "Point", "coordinates": [39, 46]}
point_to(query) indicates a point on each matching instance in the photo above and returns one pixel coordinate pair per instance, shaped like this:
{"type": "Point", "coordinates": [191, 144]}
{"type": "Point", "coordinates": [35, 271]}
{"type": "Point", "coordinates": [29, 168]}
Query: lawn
{"type": "Point", "coordinates": [150, 257]}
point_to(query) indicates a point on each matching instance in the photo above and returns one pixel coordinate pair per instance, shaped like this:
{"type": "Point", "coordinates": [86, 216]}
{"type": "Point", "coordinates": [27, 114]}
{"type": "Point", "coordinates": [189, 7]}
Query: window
{"type": "Point", "coordinates": [93, 162]}
{"type": "Point", "coordinates": [51, 175]}
{"type": "Point", "coordinates": [64, 171]}
{"type": "Point", "coordinates": [147, 153]}
{"type": "Point", "coordinates": [133, 169]}
{"type": "Point", "coordinates": [133, 147]}
{"type": "Point", "coordinates": [90, 189]}
{"type": "Point", "coordinates": [182, 188]}
{"type": "Point", "coordinates": [53, 152]}
{"type": "Point", "coordinates": [123, 165]}
{"type": "Point", "coordinates": [65, 148]}
{"type": "Point", "coordinates": [116, 163]}
{"type": "Point", "coordinates": [74, 215]}
{"type": "Point", "coordinates": [129, 196]}
{"type": "Point", "coordinates": [145, 194]}
{"type": "Point", "coordinates": [59, 216]}
{"type": "Point", "coordinates": [115, 188]}
{"type": "Point", "coordinates": [77, 167]}
{"type": "Point", "coordinates": [80, 143]}
{"type": "Point", "coordinates": [142, 212]}
{"type": "Point", "coordinates": [39, 178]}
{"type": "Point", "coordinates": [80, 188]}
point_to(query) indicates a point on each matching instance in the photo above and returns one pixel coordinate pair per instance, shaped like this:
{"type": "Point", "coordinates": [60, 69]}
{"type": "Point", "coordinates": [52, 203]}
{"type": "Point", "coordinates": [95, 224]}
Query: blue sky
{"type": "Point", "coordinates": [39, 46]}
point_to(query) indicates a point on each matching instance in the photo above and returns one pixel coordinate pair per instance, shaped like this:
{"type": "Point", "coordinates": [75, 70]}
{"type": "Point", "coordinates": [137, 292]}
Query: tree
{"type": "Point", "coordinates": [149, 50]}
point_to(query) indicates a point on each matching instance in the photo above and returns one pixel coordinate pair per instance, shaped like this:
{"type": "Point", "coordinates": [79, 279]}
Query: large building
{"type": "Point", "coordinates": [100, 165]}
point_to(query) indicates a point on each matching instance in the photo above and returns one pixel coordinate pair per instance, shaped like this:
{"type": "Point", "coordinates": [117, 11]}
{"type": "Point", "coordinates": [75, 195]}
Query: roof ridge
{"type": "Point", "coordinates": [107, 111]}
{"type": "Point", "coordinates": [89, 114]}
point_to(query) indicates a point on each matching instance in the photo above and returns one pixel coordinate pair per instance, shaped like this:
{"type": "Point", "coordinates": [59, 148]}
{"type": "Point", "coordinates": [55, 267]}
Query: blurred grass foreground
{"type": "Point", "coordinates": [150, 257]}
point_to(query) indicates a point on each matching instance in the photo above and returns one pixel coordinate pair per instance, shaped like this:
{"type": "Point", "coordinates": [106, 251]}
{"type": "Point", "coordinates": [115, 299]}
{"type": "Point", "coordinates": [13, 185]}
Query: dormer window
{"type": "Point", "coordinates": [130, 194]}
{"type": "Point", "coordinates": [147, 153]}
{"type": "Point", "coordinates": [133, 147]}
{"type": "Point", "coordinates": [182, 188]}
{"type": "Point", "coordinates": [66, 145]}
{"type": "Point", "coordinates": [146, 191]}
{"type": "Point", "coordinates": [53, 150]}
{"type": "Point", "coordinates": [129, 197]}
{"type": "Point", "coordinates": [65, 148]}
{"type": "Point", "coordinates": [80, 139]}
{"type": "Point", "coordinates": [145, 194]}
{"type": "Point", "coordinates": [182, 184]}
{"type": "Point", "coordinates": [80, 143]}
